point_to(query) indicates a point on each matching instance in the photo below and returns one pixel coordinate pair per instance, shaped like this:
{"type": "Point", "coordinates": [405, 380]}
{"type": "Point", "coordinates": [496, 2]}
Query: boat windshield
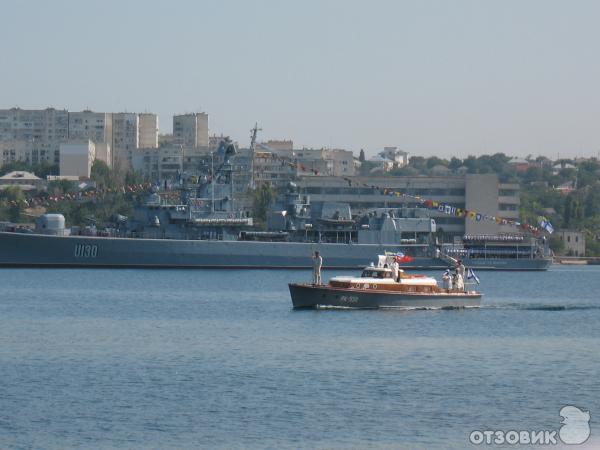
{"type": "Point", "coordinates": [372, 273]}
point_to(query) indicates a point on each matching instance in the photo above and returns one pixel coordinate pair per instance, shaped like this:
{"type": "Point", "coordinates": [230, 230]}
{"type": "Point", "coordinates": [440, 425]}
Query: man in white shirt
{"type": "Point", "coordinates": [317, 263]}
{"type": "Point", "coordinates": [395, 270]}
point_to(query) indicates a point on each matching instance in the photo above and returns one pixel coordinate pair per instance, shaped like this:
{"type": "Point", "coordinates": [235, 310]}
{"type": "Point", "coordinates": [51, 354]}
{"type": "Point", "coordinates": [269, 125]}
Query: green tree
{"type": "Point", "coordinates": [533, 174]}
{"type": "Point", "coordinates": [418, 162]}
{"type": "Point", "coordinates": [262, 197]}
{"type": "Point", "coordinates": [471, 164]}
{"type": "Point", "coordinates": [592, 201]}
{"type": "Point", "coordinates": [366, 167]}
{"type": "Point", "coordinates": [455, 163]}
{"type": "Point", "coordinates": [101, 174]}
{"type": "Point", "coordinates": [556, 244]}
{"type": "Point", "coordinates": [60, 187]}
{"type": "Point", "coordinates": [435, 161]}
{"type": "Point", "coordinates": [132, 177]}
{"type": "Point", "coordinates": [406, 171]}
{"type": "Point", "coordinates": [568, 211]}
{"type": "Point", "coordinates": [361, 156]}
{"type": "Point", "coordinates": [14, 199]}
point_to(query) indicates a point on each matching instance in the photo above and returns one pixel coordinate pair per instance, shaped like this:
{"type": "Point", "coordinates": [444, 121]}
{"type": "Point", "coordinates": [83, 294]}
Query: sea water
{"type": "Point", "coordinates": [219, 359]}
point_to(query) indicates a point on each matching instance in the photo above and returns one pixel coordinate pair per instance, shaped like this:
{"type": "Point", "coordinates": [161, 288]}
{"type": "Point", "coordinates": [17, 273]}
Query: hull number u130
{"type": "Point", "coordinates": [86, 251]}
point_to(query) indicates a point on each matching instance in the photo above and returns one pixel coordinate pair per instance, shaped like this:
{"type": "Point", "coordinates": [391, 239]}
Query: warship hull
{"type": "Point", "coordinates": [38, 250]}
{"type": "Point", "coordinates": [312, 296]}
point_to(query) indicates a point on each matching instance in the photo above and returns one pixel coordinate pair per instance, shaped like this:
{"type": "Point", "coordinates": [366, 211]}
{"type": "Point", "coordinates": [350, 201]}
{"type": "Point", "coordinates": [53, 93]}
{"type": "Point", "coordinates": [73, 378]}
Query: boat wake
{"type": "Point", "coordinates": [542, 307]}
{"type": "Point", "coordinates": [507, 306]}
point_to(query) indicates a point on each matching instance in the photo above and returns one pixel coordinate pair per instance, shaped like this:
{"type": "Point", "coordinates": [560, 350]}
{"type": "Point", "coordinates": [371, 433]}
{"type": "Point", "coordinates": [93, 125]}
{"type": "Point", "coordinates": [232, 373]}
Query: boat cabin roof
{"type": "Point", "coordinates": [376, 272]}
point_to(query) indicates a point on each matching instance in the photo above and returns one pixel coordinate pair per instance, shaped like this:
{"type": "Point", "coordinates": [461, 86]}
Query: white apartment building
{"type": "Point", "coordinates": [278, 167]}
{"type": "Point", "coordinates": [76, 158]}
{"type": "Point", "coordinates": [43, 129]}
{"type": "Point", "coordinates": [36, 135]}
{"type": "Point", "coordinates": [25, 151]}
{"type": "Point", "coordinates": [273, 167]}
{"type": "Point", "coordinates": [389, 159]}
{"type": "Point", "coordinates": [191, 130]}
{"type": "Point", "coordinates": [148, 130]}
{"type": "Point", "coordinates": [325, 162]}
{"type": "Point", "coordinates": [125, 137]}
{"type": "Point", "coordinates": [95, 126]}
{"type": "Point", "coordinates": [158, 164]}
{"type": "Point", "coordinates": [397, 156]}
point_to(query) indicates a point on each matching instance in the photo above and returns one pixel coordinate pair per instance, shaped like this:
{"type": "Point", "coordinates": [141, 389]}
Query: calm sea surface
{"type": "Point", "coordinates": [218, 359]}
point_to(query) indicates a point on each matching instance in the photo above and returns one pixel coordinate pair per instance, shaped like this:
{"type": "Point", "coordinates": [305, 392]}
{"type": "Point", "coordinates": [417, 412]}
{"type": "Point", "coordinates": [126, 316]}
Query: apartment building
{"type": "Point", "coordinates": [125, 137]}
{"type": "Point", "coordinates": [95, 126]}
{"type": "Point", "coordinates": [148, 130]}
{"type": "Point", "coordinates": [42, 129]}
{"type": "Point", "coordinates": [27, 151]}
{"type": "Point", "coordinates": [158, 164]}
{"type": "Point", "coordinates": [191, 130]}
{"type": "Point", "coordinates": [278, 167]}
{"type": "Point", "coordinates": [35, 136]}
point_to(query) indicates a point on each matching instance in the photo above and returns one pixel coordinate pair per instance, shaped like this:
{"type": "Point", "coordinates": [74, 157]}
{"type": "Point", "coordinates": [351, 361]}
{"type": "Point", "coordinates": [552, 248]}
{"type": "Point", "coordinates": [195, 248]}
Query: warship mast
{"type": "Point", "coordinates": [253, 133]}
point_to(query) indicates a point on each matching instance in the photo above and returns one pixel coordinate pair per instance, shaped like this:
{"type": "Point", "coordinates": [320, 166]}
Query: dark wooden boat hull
{"type": "Point", "coordinates": [312, 296]}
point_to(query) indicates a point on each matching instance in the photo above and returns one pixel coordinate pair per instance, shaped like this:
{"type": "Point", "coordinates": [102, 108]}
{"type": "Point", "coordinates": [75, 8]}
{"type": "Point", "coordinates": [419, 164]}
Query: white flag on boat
{"type": "Point", "coordinates": [472, 276]}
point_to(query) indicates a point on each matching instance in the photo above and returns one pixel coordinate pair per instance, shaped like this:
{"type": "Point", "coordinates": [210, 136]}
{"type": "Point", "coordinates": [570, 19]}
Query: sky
{"type": "Point", "coordinates": [433, 77]}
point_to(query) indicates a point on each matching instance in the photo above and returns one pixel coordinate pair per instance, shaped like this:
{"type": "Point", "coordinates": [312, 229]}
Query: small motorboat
{"type": "Point", "coordinates": [377, 288]}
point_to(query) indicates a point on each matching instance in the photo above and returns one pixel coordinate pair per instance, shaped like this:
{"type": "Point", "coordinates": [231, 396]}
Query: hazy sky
{"type": "Point", "coordinates": [433, 77]}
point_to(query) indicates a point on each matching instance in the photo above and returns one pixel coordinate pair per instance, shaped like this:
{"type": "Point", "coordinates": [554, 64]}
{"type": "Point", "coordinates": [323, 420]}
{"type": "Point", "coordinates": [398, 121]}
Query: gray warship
{"type": "Point", "coordinates": [203, 227]}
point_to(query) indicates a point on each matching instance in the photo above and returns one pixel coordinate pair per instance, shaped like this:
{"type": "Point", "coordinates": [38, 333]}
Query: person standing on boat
{"type": "Point", "coordinates": [395, 270]}
{"type": "Point", "coordinates": [461, 269]}
{"type": "Point", "coordinates": [460, 276]}
{"type": "Point", "coordinates": [447, 280]}
{"type": "Point", "coordinates": [317, 263]}
{"type": "Point", "coordinates": [459, 281]}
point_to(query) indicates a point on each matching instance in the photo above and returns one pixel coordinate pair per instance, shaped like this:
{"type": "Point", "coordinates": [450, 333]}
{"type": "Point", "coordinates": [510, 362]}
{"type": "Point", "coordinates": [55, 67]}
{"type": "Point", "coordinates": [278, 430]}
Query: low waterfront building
{"type": "Point", "coordinates": [27, 181]}
{"type": "Point", "coordinates": [574, 242]}
{"type": "Point", "coordinates": [474, 192]}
